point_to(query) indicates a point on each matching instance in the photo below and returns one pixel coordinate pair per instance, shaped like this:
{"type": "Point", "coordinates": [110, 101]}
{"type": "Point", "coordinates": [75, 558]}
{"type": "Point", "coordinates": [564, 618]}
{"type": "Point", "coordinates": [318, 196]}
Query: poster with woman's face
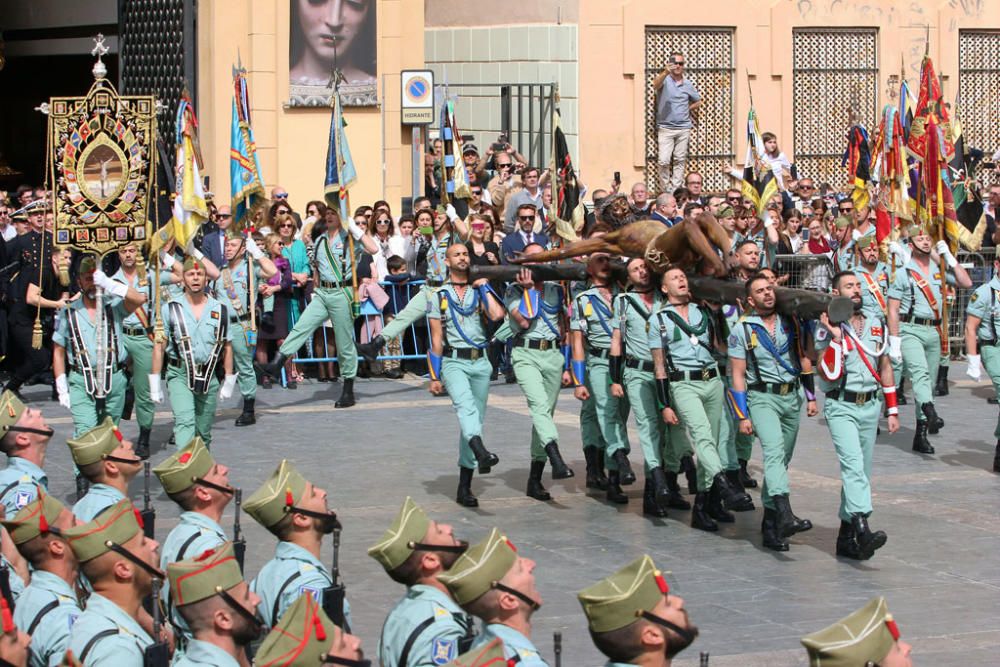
{"type": "Point", "coordinates": [324, 34]}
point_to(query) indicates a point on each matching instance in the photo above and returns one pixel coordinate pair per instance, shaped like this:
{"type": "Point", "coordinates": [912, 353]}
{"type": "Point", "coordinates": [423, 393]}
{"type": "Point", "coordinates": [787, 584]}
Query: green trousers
{"type": "Point", "coordinates": [84, 407]}
{"type": "Point", "coordinates": [853, 429]}
{"type": "Point", "coordinates": [921, 347]}
{"type": "Point", "coordinates": [699, 406]}
{"type": "Point", "coordinates": [194, 413]}
{"type": "Point", "coordinates": [140, 351]}
{"type": "Point", "coordinates": [654, 436]}
{"type": "Point", "coordinates": [468, 385]}
{"type": "Point", "coordinates": [603, 416]}
{"type": "Point", "coordinates": [776, 422]}
{"type": "Point", "coordinates": [413, 312]}
{"type": "Point", "coordinates": [243, 354]}
{"type": "Point", "coordinates": [335, 305]}
{"type": "Point", "coordinates": [991, 362]}
{"type": "Point", "coordinates": [738, 447]}
{"type": "Point", "coordinates": [539, 373]}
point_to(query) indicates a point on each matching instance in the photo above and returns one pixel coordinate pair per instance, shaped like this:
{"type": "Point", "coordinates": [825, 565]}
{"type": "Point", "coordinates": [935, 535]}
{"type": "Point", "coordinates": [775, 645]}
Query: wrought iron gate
{"type": "Point", "coordinates": [979, 92]}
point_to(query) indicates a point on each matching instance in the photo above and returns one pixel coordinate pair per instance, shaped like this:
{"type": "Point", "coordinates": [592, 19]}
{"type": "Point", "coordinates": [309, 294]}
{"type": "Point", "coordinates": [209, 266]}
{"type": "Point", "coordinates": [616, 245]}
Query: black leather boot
{"type": "Point", "coordinates": [464, 496]}
{"type": "Point", "coordinates": [941, 386]}
{"type": "Point", "coordinates": [687, 467]}
{"type": "Point", "coordinates": [785, 520]}
{"type": "Point", "coordinates": [996, 458]}
{"type": "Point", "coordinates": [734, 498]}
{"type": "Point", "coordinates": [346, 399]}
{"type": "Point", "coordinates": [129, 403]}
{"type": "Point", "coordinates": [273, 369]}
{"type": "Point", "coordinates": [371, 349]}
{"type": "Point", "coordinates": [699, 514]}
{"type": "Point", "coordinates": [535, 488]}
{"type": "Point", "coordinates": [559, 468]}
{"type": "Point", "coordinates": [920, 442]}
{"type": "Point", "coordinates": [595, 468]}
{"type": "Point", "coordinates": [657, 480]}
{"type": "Point", "coordinates": [716, 498]}
{"type": "Point", "coordinates": [900, 396]}
{"type": "Point", "coordinates": [142, 444]}
{"type": "Point", "coordinates": [847, 546]}
{"type": "Point", "coordinates": [868, 541]}
{"type": "Point", "coordinates": [733, 477]}
{"type": "Point", "coordinates": [675, 500]}
{"type": "Point", "coordinates": [614, 492]}
{"type": "Point", "coordinates": [650, 503]}
{"type": "Point", "coordinates": [486, 459]}
{"type": "Point", "coordinates": [769, 533]}
{"type": "Point", "coordinates": [625, 473]}
{"type": "Point", "coordinates": [934, 423]}
{"type": "Point", "coordinates": [247, 417]}
{"type": "Point", "coordinates": [746, 480]}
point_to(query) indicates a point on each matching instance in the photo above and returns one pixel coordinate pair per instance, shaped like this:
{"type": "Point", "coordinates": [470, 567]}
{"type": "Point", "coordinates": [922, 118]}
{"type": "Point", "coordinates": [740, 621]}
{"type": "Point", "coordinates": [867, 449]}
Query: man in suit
{"type": "Point", "coordinates": [522, 237]}
{"type": "Point", "coordinates": [214, 244]}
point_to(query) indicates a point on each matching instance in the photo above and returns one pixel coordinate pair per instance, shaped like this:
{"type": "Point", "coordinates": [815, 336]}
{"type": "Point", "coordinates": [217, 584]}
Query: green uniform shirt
{"type": "Point", "coordinates": [98, 498]}
{"type": "Point", "coordinates": [337, 249]}
{"type": "Point", "coordinates": [19, 483]}
{"type": "Point", "coordinates": [50, 631]}
{"type": "Point", "coordinates": [203, 331]}
{"type": "Point", "coordinates": [515, 645]}
{"type": "Point", "coordinates": [194, 534]}
{"type": "Point", "coordinates": [132, 320]}
{"type": "Point", "coordinates": [461, 319]}
{"type": "Point", "coordinates": [235, 296]}
{"type": "Point", "coordinates": [199, 653]}
{"type": "Point", "coordinates": [856, 377]}
{"type": "Point", "coordinates": [124, 647]}
{"type": "Point", "coordinates": [292, 572]}
{"type": "Point", "coordinates": [436, 267]}
{"type": "Point", "coordinates": [447, 630]}
{"type": "Point", "coordinates": [874, 290]}
{"type": "Point", "coordinates": [88, 329]}
{"type": "Point", "coordinates": [594, 317]}
{"type": "Point", "coordinates": [985, 304]}
{"type": "Point", "coordinates": [684, 352]}
{"type": "Point", "coordinates": [747, 341]}
{"type": "Point", "coordinates": [632, 319]}
{"type": "Point", "coordinates": [911, 297]}
{"type": "Point", "coordinates": [545, 324]}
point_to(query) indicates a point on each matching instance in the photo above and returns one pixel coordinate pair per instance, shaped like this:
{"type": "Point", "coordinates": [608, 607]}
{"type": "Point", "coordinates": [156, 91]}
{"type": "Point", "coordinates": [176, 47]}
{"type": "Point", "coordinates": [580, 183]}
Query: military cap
{"type": "Point", "coordinates": [96, 443]}
{"type": "Point", "coordinates": [725, 211]}
{"type": "Point", "coordinates": [268, 504]}
{"type": "Point", "coordinates": [842, 222]}
{"type": "Point", "coordinates": [303, 636]}
{"type": "Point", "coordinates": [914, 229]}
{"type": "Point", "coordinates": [190, 263]}
{"type": "Point", "coordinates": [487, 655]}
{"type": "Point", "coordinates": [34, 518]}
{"type": "Point", "coordinates": [11, 409]}
{"type": "Point", "coordinates": [233, 233]}
{"type": "Point", "coordinates": [179, 471]}
{"type": "Point", "coordinates": [117, 525]}
{"type": "Point", "coordinates": [88, 264]}
{"type": "Point", "coordinates": [475, 571]}
{"type": "Point", "coordinates": [395, 546]}
{"type": "Point", "coordinates": [196, 579]}
{"type": "Point", "coordinates": [866, 635]}
{"type": "Point", "coordinates": [866, 240]}
{"type": "Point", "coordinates": [617, 601]}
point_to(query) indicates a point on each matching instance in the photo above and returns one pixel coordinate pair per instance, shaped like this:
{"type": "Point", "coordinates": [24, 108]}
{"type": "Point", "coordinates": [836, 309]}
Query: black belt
{"type": "Point", "coordinates": [988, 343]}
{"type": "Point", "coordinates": [174, 363]}
{"type": "Point", "coordinates": [76, 369]}
{"type": "Point", "coordinates": [243, 318]}
{"type": "Point", "coordinates": [706, 373]}
{"type": "Point", "coordinates": [645, 366]}
{"type": "Point", "coordinates": [434, 283]}
{"type": "Point", "coordinates": [535, 343]}
{"type": "Point", "coordinates": [464, 353]}
{"type": "Point", "coordinates": [923, 321]}
{"type": "Point", "coordinates": [135, 331]}
{"type": "Point", "coordinates": [858, 398]}
{"type": "Point", "coordinates": [780, 388]}
{"type": "Point", "coordinates": [599, 353]}
{"type": "Point", "coordinates": [333, 284]}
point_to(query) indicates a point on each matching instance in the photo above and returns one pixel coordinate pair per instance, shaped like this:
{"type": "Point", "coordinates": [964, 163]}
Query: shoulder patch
{"type": "Point", "coordinates": [443, 650]}
{"type": "Point", "coordinates": [22, 498]}
{"type": "Point", "coordinates": [215, 314]}
{"type": "Point", "coordinates": [877, 332]}
{"type": "Point", "coordinates": [734, 340]}
{"type": "Point", "coordinates": [311, 590]}
{"type": "Point", "coordinates": [821, 333]}
{"type": "Point", "coordinates": [975, 295]}
{"type": "Point", "coordinates": [71, 619]}
{"type": "Point", "coordinates": [440, 611]}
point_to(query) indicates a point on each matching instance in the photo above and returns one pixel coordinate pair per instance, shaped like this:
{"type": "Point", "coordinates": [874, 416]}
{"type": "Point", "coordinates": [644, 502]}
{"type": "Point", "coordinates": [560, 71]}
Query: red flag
{"type": "Point", "coordinates": [930, 107]}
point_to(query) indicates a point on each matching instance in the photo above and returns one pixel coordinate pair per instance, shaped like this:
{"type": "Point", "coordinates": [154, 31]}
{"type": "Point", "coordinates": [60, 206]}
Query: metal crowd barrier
{"type": "Point", "coordinates": [811, 272]}
{"type": "Point", "coordinates": [980, 268]}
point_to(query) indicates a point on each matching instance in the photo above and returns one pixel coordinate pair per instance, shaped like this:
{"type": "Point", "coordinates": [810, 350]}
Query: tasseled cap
{"type": "Point", "coordinates": [269, 504]}
{"type": "Point", "coordinates": [410, 526]}
{"type": "Point", "coordinates": [96, 443]}
{"type": "Point", "coordinates": [303, 637]}
{"type": "Point", "coordinates": [867, 635]}
{"type": "Point", "coordinates": [179, 471]}
{"type": "Point", "coordinates": [204, 576]}
{"type": "Point", "coordinates": [117, 525]}
{"type": "Point", "coordinates": [620, 599]}
{"type": "Point", "coordinates": [35, 518]}
{"type": "Point", "coordinates": [483, 564]}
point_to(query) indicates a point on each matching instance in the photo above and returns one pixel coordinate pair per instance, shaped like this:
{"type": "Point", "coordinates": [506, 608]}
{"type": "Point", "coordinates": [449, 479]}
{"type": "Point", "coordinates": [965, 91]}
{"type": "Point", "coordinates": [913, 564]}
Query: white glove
{"type": "Point", "coordinates": [899, 250]}
{"type": "Point", "coordinates": [62, 388]}
{"type": "Point", "coordinates": [155, 391]}
{"type": "Point", "coordinates": [975, 368]}
{"type": "Point", "coordinates": [856, 235]}
{"type": "Point", "coordinates": [451, 213]}
{"type": "Point", "coordinates": [945, 252]}
{"type": "Point", "coordinates": [768, 221]}
{"type": "Point", "coordinates": [110, 286]}
{"type": "Point", "coordinates": [194, 252]}
{"type": "Point", "coordinates": [167, 259]}
{"type": "Point", "coordinates": [227, 387]}
{"type": "Point", "coordinates": [895, 348]}
{"type": "Point", "coordinates": [253, 248]}
{"type": "Point", "coordinates": [355, 230]}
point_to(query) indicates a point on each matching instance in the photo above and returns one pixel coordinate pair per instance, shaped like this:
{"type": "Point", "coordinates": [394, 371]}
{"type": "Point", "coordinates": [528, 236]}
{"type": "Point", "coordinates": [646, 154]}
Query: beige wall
{"type": "Point", "coordinates": [292, 143]}
{"type": "Point", "coordinates": [441, 13]}
{"type": "Point", "coordinates": [612, 61]}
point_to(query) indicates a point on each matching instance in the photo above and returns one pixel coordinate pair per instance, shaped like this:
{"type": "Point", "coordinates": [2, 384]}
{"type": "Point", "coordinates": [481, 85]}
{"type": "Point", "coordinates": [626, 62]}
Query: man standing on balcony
{"type": "Point", "coordinates": [676, 98]}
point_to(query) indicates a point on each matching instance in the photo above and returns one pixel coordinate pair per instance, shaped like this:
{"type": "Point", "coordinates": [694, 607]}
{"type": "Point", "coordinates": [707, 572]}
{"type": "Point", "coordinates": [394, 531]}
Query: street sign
{"type": "Point", "coordinates": [417, 96]}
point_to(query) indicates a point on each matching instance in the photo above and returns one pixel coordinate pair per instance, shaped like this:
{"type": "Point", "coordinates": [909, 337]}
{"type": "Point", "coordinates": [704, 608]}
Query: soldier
{"type": "Point", "coordinates": [120, 563]}
{"type": "Point", "coordinates": [200, 487]}
{"type": "Point", "coordinates": [915, 307]}
{"type": "Point", "coordinates": [843, 256]}
{"type": "Point", "coordinates": [458, 357]}
{"type": "Point", "coordinates": [106, 460]}
{"type": "Point", "coordinates": [682, 340]}
{"type": "Point", "coordinates": [769, 366]}
{"type": "Point", "coordinates": [854, 369]}
{"type": "Point", "coordinates": [874, 277]}
{"type": "Point", "coordinates": [198, 333]}
{"type": "Point", "coordinates": [233, 290]}
{"type": "Point", "coordinates": [217, 605]}
{"type": "Point", "coordinates": [634, 620]}
{"type": "Point", "coordinates": [981, 339]}
{"type": "Point", "coordinates": [414, 551]}
{"type": "Point", "coordinates": [332, 299]}
{"type": "Point", "coordinates": [306, 636]}
{"type": "Point", "coordinates": [868, 636]}
{"type": "Point", "coordinates": [296, 512]}
{"type": "Point", "coordinates": [49, 606]}
{"type": "Point", "coordinates": [25, 440]}
{"type": "Point", "coordinates": [493, 582]}
{"type": "Point", "coordinates": [535, 312]}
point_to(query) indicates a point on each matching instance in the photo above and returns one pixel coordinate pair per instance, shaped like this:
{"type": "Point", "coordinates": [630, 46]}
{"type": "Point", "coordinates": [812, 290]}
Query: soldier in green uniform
{"type": "Point", "coordinates": [683, 340]}
{"type": "Point", "coordinates": [48, 606]}
{"type": "Point", "coordinates": [88, 348]}
{"type": "Point", "coordinates": [915, 303]}
{"type": "Point", "coordinates": [869, 636]}
{"type": "Point", "coordinates": [305, 635]}
{"type": "Point", "coordinates": [426, 622]}
{"type": "Point", "coordinates": [198, 333]}
{"type": "Point", "coordinates": [232, 288]}
{"type": "Point", "coordinates": [24, 438]}
{"type": "Point", "coordinates": [296, 512]}
{"type": "Point", "coordinates": [535, 313]}
{"type": "Point", "coordinates": [217, 605]}
{"type": "Point", "coordinates": [634, 619]}
{"type": "Point", "coordinates": [767, 351]}
{"type": "Point", "coordinates": [844, 257]}
{"type": "Point", "coordinates": [981, 339]}
{"type": "Point", "coordinates": [493, 582]}
{"type": "Point", "coordinates": [458, 358]}
{"type": "Point", "coordinates": [333, 299]}
{"type": "Point", "coordinates": [120, 563]}
{"type": "Point", "coordinates": [854, 370]}
{"type": "Point", "coordinates": [108, 461]}
{"type": "Point", "coordinates": [602, 416]}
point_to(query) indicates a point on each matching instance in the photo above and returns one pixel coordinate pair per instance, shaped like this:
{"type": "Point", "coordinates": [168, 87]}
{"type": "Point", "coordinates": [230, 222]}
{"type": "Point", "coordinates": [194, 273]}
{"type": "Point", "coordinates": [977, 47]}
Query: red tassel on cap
{"type": "Point", "coordinates": [118, 434]}
{"type": "Point", "coordinates": [510, 544]}
{"type": "Point", "coordinates": [205, 554]}
{"type": "Point", "coordinates": [320, 632]}
{"type": "Point", "coordinates": [890, 623]}
{"type": "Point", "coordinates": [138, 518]}
{"type": "Point", "coordinates": [661, 583]}
{"type": "Point", "coordinates": [8, 618]}
{"type": "Point", "coordinates": [43, 524]}
{"type": "Point", "coordinates": [289, 500]}
{"type": "Point", "coordinates": [185, 457]}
